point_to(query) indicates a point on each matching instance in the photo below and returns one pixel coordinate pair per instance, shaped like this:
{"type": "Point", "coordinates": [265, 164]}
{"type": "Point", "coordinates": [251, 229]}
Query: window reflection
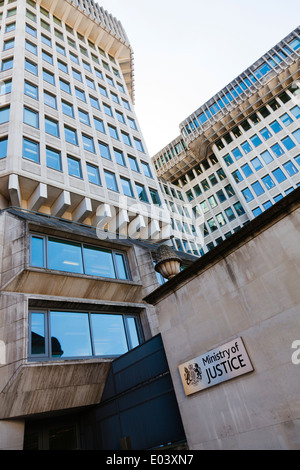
{"type": "Point", "coordinates": [66, 334]}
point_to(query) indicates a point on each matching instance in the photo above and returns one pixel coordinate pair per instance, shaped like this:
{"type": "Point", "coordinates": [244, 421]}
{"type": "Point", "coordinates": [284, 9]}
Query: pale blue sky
{"type": "Point", "coordinates": [186, 51]}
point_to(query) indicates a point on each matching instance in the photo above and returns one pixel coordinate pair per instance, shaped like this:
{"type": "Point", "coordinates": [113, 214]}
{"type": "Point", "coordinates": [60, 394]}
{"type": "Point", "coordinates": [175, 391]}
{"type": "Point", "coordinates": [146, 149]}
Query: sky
{"type": "Point", "coordinates": [186, 51]}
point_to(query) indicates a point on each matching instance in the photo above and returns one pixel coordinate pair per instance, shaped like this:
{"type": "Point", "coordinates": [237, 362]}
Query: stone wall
{"type": "Point", "coordinates": [250, 292]}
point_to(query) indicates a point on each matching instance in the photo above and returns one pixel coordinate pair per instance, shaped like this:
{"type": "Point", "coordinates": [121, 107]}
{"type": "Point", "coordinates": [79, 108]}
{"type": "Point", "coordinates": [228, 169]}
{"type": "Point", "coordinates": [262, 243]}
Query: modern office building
{"type": "Point", "coordinates": [238, 153]}
{"type": "Point", "coordinates": [81, 208]}
{"type": "Point", "coordinates": [83, 215]}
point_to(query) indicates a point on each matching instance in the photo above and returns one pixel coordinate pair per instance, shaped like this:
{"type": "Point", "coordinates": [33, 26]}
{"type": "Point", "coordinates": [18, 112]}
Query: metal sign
{"type": "Point", "coordinates": [214, 367]}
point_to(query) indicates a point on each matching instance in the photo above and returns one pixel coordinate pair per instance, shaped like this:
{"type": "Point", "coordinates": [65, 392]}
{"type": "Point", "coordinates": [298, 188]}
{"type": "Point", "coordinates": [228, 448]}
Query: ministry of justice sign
{"type": "Point", "coordinates": [216, 366]}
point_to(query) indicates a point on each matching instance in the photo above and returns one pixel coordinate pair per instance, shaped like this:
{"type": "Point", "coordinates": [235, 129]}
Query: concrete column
{"type": "Point", "coordinates": [12, 434]}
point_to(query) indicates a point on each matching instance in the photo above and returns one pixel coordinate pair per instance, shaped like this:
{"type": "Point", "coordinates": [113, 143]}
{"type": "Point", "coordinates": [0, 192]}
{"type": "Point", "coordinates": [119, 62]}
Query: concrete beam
{"type": "Point", "coordinates": [61, 204]}
{"type": "Point", "coordinates": [83, 210]}
{"type": "Point", "coordinates": [14, 190]}
{"type": "Point", "coordinates": [38, 197]}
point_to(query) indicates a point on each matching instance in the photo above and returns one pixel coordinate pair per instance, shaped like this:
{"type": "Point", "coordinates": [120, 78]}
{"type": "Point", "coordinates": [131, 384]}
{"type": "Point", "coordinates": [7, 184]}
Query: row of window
{"type": "Point", "coordinates": [52, 127]}
{"type": "Point", "coordinates": [74, 334]}
{"type": "Point", "coordinates": [73, 257]}
{"type": "Point", "coordinates": [269, 181]}
{"type": "Point", "coordinates": [47, 27]}
{"type": "Point", "coordinates": [238, 87]}
{"type": "Point", "coordinates": [256, 141]}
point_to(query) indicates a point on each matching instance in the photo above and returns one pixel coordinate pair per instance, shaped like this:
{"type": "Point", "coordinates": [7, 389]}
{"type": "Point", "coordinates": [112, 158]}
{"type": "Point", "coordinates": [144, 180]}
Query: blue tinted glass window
{"type": "Point", "coordinates": [37, 257]}
{"type": "Point", "coordinates": [296, 134]}
{"type": "Point", "coordinates": [133, 163]}
{"type": "Point", "coordinates": [256, 211]}
{"type": "Point", "coordinates": [53, 159]}
{"type": "Point", "coordinates": [255, 140]}
{"type": "Point", "coordinates": [126, 186]}
{"type": "Point", "coordinates": [256, 163]}
{"type": "Point", "coordinates": [278, 197]}
{"type": "Point", "coordinates": [267, 157]}
{"type": "Point", "coordinates": [221, 196]}
{"type": "Point", "coordinates": [64, 256]}
{"type": "Point", "coordinates": [111, 181]}
{"type": "Point", "coordinates": [295, 43]}
{"type": "Point", "coordinates": [267, 204]}
{"type": "Point", "coordinates": [3, 147]}
{"type": "Point", "coordinates": [93, 174]}
{"type": "Point", "coordinates": [286, 119]}
{"type": "Point", "coordinates": [67, 109]}
{"type": "Point", "coordinates": [30, 117]}
{"type": "Point", "coordinates": [31, 150]}
{"type": "Point", "coordinates": [228, 159]}
{"type": "Point", "coordinates": [38, 333]}
{"type": "Point", "coordinates": [98, 262]}
{"type": "Point", "coordinates": [247, 170]}
{"type": "Point", "coordinates": [51, 127]}
{"type": "Point", "coordinates": [247, 194]}
{"type": "Point", "coordinates": [138, 144]}
{"type": "Point", "coordinates": [246, 147]}
{"type": "Point", "coordinates": [202, 118]}
{"type": "Point", "coordinates": [279, 175]}
{"type": "Point", "coordinates": [64, 86]}
{"type": "Point", "coordinates": [237, 176]}
{"type": "Point", "coordinates": [142, 195]}
{"type": "Point", "coordinates": [268, 182]}
{"type": "Point", "coordinates": [99, 125]}
{"type": "Point", "coordinates": [8, 64]}
{"type": "Point", "coordinates": [266, 134]}
{"type": "Point", "coordinates": [88, 143]}
{"type": "Point", "coordinates": [275, 126]}
{"type": "Point", "coordinates": [110, 327]}
{"type": "Point", "coordinates": [239, 208]}
{"type": "Point", "coordinates": [48, 77]}
{"type": "Point", "coordinates": [4, 114]}
{"type": "Point", "coordinates": [237, 153]}
{"type": "Point", "coordinates": [288, 143]}
{"type": "Point", "coordinates": [290, 168]}
{"type": "Point", "coordinates": [296, 111]}
{"type": "Point", "coordinates": [277, 150]}
{"type": "Point", "coordinates": [71, 135]}
{"type": "Point", "coordinates": [257, 188]}
{"type": "Point", "coordinates": [74, 167]}
{"type": "Point", "coordinates": [262, 70]}
{"type": "Point", "coordinates": [119, 157]}
{"type": "Point", "coordinates": [104, 150]}
{"type": "Point", "coordinates": [229, 214]}
{"type": "Point", "coordinates": [72, 332]}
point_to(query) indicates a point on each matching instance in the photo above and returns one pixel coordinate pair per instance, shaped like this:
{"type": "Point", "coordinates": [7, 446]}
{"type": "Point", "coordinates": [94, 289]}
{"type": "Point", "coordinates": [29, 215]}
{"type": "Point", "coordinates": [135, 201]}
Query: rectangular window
{"type": "Point", "coordinates": [267, 157]}
{"type": "Point", "coordinates": [65, 86]}
{"type": "Point", "coordinates": [48, 77]}
{"type": "Point", "coordinates": [93, 174]}
{"type": "Point", "coordinates": [138, 144]}
{"type": "Point", "coordinates": [31, 90]}
{"type": "Point", "coordinates": [237, 153]}
{"type": "Point", "coordinates": [247, 194]}
{"type": "Point", "coordinates": [67, 108]}
{"type": "Point", "coordinates": [30, 117]}
{"type": "Point", "coordinates": [286, 119]}
{"type": "Point", "coordinates": [247, 170]}
{"type": "Point", "coordinates": [268, 182]}
{"type": "Point", "coordinates": [110, 180]}
{"type": "Point", "coordinates": [53, 159]}
{"type": "Point", "coordinates": [3, 147]}
{"type": "Point", "coordinates": [142, 195]}
{"type": "Point", "coordinates": [255, 140]}
{"type": "Point", "coordinates": [257, 188]}
{"type": "Point", "coordinates": [72, 334]}
{"type": "Point", "coordinates": [31, 150]}
{"type": "Point", "coordinates": [47, 57]}
{"type": "Point", "coordinates": [146, 169]}
{"type": "Point", "coordinates": [94, 102]}
{"type": "Point", "coordinates": [256, 163]}
{"type": "Point", "coordinates": [228, 159]}
{"type": "Point", "coordinates": [80, 94]}
{"type": "Point", "coordinates": [50, 100]}
{"type": "Point", "coordinates": [266, 134]}
{"type": "Point", "coordinates": [51, 126]}
{"type": "Point", "coordinates": [288, 143]}
{"type": "Point", "coordinates": [74, 167]}
{"type": "Point", "coordinates": [290, 168]}
{"type": "Point", "coordinates": [275, 126]}
{"type": "Point", "coordinates": [7, 64]}
{"type": "Point", "coordinates": [104, 150]}
{"type": "Point", "coordinates": [113, 132]}
{"type": "Point", "coordinates": [277, 150]}
{"type": "Point", "coordinates": [246, 147]}
{"type": "Point", "coordinates": [99, 125]}
{"type": "Point", "coordinates": [133, 163]}
{"type": "Point", "coordinates": [237, 176]}
{"type": "Point", "coordinates": [84, 117]}
{"type": "Point", "coordinates": [88, 143]}
{"type": "Point", "coordinates": [126, 186]}
{"type": "Point", "coordinates": [239, 208]}
{"type": "Point", "coordinates": [126, 138]}
{"type": "Point", "coordinates": [71, 135]}
{"type": "Point", "coordinates": [229, 214]}
{"type": "Point", "coordinates": [279, 175]}
{"type": "Point", "coordinates": [154, 196]}
{"type": "Point", "coordinates": [119, 157]}
{"type": "Point", "coordinates": [4, 114]}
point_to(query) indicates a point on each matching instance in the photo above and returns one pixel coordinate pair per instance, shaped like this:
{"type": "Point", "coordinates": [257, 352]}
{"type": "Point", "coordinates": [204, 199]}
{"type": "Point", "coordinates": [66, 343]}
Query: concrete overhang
{"type": "Point", "coordinates": [61, 284]}
{"type": "Point", "coordinates": [51, 387]}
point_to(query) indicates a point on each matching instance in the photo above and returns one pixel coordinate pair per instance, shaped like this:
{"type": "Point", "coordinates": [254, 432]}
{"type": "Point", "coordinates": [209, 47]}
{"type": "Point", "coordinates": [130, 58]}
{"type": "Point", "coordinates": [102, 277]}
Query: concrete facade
{"type": "Point", "coordinates": [247, 288]}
